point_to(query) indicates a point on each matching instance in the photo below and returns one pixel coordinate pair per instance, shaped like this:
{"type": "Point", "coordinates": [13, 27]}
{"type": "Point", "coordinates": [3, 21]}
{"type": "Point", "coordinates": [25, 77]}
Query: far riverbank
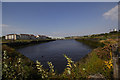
{"type": "Point", "coordinates": [24, 43]}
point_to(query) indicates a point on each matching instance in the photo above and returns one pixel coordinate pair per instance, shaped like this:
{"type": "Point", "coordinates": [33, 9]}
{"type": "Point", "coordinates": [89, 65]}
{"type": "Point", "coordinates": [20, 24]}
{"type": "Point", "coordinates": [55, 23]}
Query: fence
{"type": "Point", "coordinates": [116, 62]}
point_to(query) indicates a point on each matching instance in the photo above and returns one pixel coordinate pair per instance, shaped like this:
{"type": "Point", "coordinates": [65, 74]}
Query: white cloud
{"type": "Point", "coordinates": [112, 13]}
{"type": "Point", "coordinates": [4, 25]}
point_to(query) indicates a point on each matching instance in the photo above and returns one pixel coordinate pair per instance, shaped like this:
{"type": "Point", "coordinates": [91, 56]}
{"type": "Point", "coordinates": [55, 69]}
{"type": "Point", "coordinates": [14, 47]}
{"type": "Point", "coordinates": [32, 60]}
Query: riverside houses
{"type": "Point", "coordinates": [24, 37]}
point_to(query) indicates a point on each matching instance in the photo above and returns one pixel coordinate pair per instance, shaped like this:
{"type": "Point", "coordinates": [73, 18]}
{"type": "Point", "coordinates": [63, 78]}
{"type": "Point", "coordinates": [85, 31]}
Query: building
{"type": "Point", "coordinates": [31, 36]}
{"type": "Point", "coordinates": [24, 37]}
{"type": "Point", "coordinates": [58, 38]}
{"type": "Point", "coordinates": [113, 30]}
{"type": "Point", "coordinates": [12, 37]}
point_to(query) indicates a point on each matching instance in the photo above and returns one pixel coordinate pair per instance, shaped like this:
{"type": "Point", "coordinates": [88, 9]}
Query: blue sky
{"type": "Point", "coordinates": [59, 19]}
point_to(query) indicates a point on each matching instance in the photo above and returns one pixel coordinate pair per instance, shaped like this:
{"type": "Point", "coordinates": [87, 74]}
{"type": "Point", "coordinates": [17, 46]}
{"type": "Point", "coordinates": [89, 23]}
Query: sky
{"type": "Point", "coordinates": [59, 19]}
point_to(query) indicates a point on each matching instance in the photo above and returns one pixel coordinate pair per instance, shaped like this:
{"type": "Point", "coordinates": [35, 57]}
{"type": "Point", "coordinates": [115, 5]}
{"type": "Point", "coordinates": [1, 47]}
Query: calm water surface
{"type": "Point", "coordinates": [53, 52]}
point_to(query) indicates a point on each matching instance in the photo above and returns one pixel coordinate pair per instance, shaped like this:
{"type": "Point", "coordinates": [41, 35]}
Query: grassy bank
{"type": "Point", "coordinates": [94, 63]}
{"type": "Point", "coordinates": [92, 43]}
{"type": "Point", "coordinates": [99, 61]}
{"type": "Point", "coordinates": [23, 43]}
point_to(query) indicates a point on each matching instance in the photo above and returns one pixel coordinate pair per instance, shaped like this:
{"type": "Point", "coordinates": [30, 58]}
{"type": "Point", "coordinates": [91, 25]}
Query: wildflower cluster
{"type": "Point", "coordinates": [51, 68]}
{"type": "Point", "coordinates": [43, 73]}
{"type": "Point", "coordinates": [109, 63]}
{"type": "Point", "coordinates": [70, 64]}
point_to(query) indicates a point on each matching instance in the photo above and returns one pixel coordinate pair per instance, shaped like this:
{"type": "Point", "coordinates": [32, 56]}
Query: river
{"type": "Point", "coordinates": [53, 51]}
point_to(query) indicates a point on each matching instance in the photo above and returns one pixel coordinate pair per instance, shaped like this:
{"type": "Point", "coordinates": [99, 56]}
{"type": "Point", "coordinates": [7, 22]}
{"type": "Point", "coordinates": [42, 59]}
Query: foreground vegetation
{"type": "Point", "coordinates": [16, 66]}
{"type": "Point", "coordinates": [98, 63]}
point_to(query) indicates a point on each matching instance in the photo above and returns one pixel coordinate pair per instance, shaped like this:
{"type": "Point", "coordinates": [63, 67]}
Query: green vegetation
{"type": "Point", "coordinates": [99, 61]}
{"type": "Point", "coordinates": [16, 66]}
{"type": "Point", "coordinates": [94, 63]}
{"type": "Point", "coordinates": [92, 43]}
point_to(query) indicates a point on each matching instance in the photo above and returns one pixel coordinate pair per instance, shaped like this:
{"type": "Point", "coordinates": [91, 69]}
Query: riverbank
{"type": "Point", "coordinates": [97, 62]}
{"type": "Point", "coordinates": [92, 43]}
{"type": "Point", "coordinates": [24, 43]}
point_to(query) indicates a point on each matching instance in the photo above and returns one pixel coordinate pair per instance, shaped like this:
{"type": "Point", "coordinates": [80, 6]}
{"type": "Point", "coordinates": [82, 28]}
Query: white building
{"type": "Point", "coordinates": [12, 36]}
{"type": "Point", "coordinates": [19, 36]}
{"type": "Point", "coordinates": [24, 37]}
{"type": "Point", "coordinates": [58, 38]}
{"type": "Point", "coordinates": [114, 29]}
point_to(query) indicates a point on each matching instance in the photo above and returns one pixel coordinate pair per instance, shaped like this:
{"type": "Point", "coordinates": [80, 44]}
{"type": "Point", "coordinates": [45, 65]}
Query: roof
{"type": "Point", "coordinates": [11, 34]}
{"type": "Point", "coordinates": [41, 35]}
{"type": "Point", "coordinates": [24, 34]}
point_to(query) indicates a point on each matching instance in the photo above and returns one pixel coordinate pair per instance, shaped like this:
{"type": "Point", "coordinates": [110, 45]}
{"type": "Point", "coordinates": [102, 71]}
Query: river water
{"type": "Point", "coordinates": [53, 51]}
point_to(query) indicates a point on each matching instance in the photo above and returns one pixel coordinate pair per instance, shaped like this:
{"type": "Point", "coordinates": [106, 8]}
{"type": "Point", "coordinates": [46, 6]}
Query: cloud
{"type": "Point", "coordinates": [4, 25]}
{"type": "Point", "coordinates": [112, 14]}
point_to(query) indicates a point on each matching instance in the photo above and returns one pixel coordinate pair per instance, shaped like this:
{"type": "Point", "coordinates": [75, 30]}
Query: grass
{"type": "Point", "coordinates": [93, 65]}
{"type": "Point", "coordinates": [90, 42]}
